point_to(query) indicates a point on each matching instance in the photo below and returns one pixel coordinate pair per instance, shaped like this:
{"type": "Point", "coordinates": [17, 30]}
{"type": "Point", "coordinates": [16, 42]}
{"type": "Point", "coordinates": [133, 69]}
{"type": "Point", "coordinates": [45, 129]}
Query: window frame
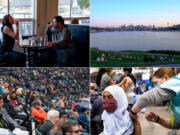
{"type": "Point", "coordinates": [25, 19]}
{"type": "Point", "coordinates": [70, 14]}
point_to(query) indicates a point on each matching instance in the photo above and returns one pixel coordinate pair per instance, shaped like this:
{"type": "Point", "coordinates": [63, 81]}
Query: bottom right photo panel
{"type": "Point", "coordinates": [135, 101]}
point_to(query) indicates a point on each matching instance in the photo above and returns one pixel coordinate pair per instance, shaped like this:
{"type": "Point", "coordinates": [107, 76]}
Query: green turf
{"type": "Point", "coordinates": [126, 62]}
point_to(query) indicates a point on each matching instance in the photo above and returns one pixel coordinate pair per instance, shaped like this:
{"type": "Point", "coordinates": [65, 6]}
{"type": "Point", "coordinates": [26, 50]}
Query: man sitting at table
{"type": "Point", "coordinates": [59, 37]}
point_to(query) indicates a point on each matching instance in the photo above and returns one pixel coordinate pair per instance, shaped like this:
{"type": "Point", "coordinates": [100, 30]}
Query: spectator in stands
{"type": "Point", "coordinates": [60, 106]}
{"type": "Point", "coordinates": [38, 112]}
{"type": "Point", "coordinates": [83, 116]}
{"type": "Point", "coordinates": [9, 37]}
{"type": "Point", "coordinates": [71, 128]}
{"type": "Point", "coordinates": [57, 129]}
{"type": "Point", "coordinates": [4, 116]}
{"type": "Point", "coordinates": [5, 87]}
{"type": "Point", "coordinates": [52, 118]}
{"type": "Point", "coordinates": [12, 97]}
{"type": "Point", "coordinates": [30, 97]}
{"type": "Point", "coordinates": [12, 111]}
{"type": "Point", "coordinates": [71, 116]}
{"type": "Point", "coordinates": [60, 39]}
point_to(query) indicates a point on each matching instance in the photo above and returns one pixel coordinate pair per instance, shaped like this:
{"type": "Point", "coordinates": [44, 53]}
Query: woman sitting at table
{"type": "Point", "coordinates": [9, 37]}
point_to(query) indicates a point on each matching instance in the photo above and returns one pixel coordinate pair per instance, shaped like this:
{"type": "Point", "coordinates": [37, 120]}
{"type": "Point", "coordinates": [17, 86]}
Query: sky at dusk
{"type": "Point", "coordinates": [147, 12]}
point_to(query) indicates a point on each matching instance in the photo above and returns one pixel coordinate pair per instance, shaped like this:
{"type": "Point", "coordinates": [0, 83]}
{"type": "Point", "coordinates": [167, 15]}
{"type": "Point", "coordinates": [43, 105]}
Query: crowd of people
{"type": "Point", "coordinates": [146, 58]}
{"type": "Point", "coordinates": [48, 97]}
{"type": "Point", "coordinates": [115, 106]}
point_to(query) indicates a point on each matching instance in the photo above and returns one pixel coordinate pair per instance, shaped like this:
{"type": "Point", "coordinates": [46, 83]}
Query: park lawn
{"type": "Point", "coordinates": [126, 62]}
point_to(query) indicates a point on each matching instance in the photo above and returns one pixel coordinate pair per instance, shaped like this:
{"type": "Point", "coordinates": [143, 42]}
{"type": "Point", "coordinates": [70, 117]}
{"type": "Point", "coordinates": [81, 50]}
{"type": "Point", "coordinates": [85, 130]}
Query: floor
{"type": "Point", "coordinates": [149, 128]}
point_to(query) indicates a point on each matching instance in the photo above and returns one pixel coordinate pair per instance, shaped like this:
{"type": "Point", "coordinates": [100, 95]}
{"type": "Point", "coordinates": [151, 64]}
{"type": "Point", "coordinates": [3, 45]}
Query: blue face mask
{"type": "Point", "coordinates": [157, 84]}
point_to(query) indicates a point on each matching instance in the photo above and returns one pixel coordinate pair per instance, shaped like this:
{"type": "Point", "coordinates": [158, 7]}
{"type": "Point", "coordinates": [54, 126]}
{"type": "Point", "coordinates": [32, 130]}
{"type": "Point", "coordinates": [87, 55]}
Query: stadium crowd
{"type": "Point", "coordinates": [43, 101]}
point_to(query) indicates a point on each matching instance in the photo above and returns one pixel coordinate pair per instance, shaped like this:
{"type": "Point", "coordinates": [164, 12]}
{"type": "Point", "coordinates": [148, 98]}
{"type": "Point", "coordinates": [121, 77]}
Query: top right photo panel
{"type": "Point", "coordinates": [138, 33]}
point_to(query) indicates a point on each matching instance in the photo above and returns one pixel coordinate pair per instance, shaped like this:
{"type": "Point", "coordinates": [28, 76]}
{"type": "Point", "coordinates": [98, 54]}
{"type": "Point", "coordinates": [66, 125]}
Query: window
{"type": "Point", "coordinates": [23, 11]}
{"type": "Point", "coordinates": [70, 9]}
{"type": "Point", "coordinates": [3, 8]}
{"type": "Point", "coordinates": [21, 8]}
{"type": "Point", "coordinates": [64, 8]}
{"type": "Point", "coordinates": [80, 8]}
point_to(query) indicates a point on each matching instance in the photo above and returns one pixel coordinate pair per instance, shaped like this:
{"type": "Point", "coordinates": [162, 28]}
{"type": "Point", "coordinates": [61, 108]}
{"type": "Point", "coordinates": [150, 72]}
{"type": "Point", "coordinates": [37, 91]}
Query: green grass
{"type": "Point", "coordinates": [126, 62]}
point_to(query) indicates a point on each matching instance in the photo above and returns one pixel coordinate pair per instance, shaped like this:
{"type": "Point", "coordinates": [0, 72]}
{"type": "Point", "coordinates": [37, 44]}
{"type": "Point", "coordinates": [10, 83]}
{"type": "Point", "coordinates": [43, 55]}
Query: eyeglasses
{"type": "Point", "coordinates": [76, 131]}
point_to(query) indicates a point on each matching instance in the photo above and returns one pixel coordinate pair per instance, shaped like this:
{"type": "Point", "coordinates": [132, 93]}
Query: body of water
{"type": "Point", "coordinates": [136, 40]}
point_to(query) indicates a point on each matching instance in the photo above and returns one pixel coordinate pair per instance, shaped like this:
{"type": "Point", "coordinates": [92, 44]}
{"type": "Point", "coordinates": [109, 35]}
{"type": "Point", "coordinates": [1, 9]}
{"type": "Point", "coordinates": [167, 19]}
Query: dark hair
{"type": "Point", "coordinates": [36, 102]}
{"type": "Point", "coordinates": [13, 91]}
{"type": "Point", "coordinates": [1, 97]}
{"type": "Point", "coordinates": [129, 70]}
{"type": "Point", "coordinates": [5, 22]}
{"type": "Point", "coordinates": [83, 110]}
{"type": "Point", "coordinates": [59, 19]}
{"type": "Point", "coordinates": [99, 75]}
{"type": "Point", "coordinates": [67, 127]}
{"type": "Point", "coordinates": [132, 78]}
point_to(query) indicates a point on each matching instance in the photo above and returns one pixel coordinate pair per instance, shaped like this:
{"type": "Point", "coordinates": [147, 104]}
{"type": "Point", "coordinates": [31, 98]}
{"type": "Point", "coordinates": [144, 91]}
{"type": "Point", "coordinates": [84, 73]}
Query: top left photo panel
{"type": "Point", "coordinates": [44, 33]}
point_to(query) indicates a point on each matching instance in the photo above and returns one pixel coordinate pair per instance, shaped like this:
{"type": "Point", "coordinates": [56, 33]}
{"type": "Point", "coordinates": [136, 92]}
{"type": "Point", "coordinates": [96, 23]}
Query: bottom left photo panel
{"type": "Point", "coordinates": [44, 101]}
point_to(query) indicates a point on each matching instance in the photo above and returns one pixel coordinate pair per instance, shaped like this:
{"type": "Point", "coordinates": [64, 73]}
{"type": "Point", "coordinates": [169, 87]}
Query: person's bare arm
{"type": "Point", "coordinates": [11, 33]}
{"type": "Point", "coordinates": [137, 127]}
{"type": "Point", "coordinates": [125, 83]}
{"type": "Point", "coordinates": [152, 117]}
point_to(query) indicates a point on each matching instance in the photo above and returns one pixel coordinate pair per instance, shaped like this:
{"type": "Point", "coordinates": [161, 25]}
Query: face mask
{"type": "Point", "coordinates": [109, 105]}
{"type": "Point", "coordinates": [157, 84]}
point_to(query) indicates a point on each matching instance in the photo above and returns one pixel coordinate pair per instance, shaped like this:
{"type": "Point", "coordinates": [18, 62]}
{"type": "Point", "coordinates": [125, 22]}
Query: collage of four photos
{"type": "Point", "coordinates": [89, 67]}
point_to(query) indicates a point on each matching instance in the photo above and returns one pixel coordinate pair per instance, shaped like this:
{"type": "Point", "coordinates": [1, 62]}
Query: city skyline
{"type": "Point", "coordinates": [105, 13]}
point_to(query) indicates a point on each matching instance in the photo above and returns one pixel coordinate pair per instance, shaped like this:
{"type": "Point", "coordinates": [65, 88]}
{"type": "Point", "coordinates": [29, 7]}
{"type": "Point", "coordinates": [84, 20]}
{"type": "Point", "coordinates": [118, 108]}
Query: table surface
{"type": "Point", "coordinates": [35, 47]}
{"type": "Point", "coordinates": [26, 44]}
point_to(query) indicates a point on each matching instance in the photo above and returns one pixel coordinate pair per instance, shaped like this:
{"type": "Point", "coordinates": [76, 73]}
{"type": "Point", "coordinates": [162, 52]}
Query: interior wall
{"type": "Point", "coordinates": [46, 10]}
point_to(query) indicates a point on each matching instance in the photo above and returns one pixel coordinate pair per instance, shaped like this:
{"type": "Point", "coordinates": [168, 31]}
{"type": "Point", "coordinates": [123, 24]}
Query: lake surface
{"type": "Point", "coordinates": [136, 40]}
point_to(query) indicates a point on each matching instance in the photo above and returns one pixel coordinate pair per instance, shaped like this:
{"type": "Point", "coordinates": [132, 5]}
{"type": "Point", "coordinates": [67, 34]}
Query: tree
{"type": "Point", "coordinates": [83, 4]}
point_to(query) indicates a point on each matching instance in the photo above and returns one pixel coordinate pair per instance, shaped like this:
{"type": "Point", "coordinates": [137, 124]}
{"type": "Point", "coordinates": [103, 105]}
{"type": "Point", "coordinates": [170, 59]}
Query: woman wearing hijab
{"type": "Point", "coordinates": [169, 89]}
{"type": "Point", "coordinates": [116, 119]}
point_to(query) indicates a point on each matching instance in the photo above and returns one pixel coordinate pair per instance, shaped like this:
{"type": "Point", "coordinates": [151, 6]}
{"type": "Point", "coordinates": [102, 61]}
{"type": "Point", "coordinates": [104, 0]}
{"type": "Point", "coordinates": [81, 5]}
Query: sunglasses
{"type": "Point", "coordinates": [76, 131]}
